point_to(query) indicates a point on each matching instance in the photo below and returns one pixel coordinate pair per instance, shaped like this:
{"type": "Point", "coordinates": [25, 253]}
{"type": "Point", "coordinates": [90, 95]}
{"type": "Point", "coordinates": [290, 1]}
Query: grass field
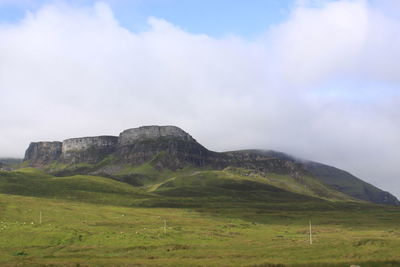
{"type": "Point", "coordinates": [95, 221]}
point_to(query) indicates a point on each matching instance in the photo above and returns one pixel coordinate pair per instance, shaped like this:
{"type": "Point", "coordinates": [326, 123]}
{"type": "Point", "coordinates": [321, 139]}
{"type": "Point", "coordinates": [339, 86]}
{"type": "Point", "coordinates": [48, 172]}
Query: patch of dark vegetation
{"type": "Point", "coordinates": [369, 241]}
{"type": "Point", "coordinates": [135, 179]}
{"type": "Point", "coordinates": [20, 253]}
{"type": "Point", "coordinates": [178, 247]}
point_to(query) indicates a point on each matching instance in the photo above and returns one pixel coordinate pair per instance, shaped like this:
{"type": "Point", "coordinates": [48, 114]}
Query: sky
{"type": "Point", "coordinates": [317, 79]}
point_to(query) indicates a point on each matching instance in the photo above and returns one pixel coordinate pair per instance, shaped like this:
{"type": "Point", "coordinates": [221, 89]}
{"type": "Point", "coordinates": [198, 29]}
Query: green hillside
{"type": "Point", "coordinates": [336, 179]}
{"type": "Point", "coordinates": [345, 182]}
{"type": "Point", "coordinates": [188, 217]}
{"type": "Point", "coordinates": [33, 182]}
{"type": "Point", "coordinates": [147, 156]}
{"type": "Point", "coordinates": [73, 233]}
{"type": "Point", "coordinates": [146, 182]}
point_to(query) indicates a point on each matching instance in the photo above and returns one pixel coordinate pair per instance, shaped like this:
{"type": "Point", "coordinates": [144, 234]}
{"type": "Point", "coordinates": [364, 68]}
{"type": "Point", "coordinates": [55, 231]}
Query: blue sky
{"type": "Point", "coordinates": [319, 79]}
{"type": "Point", "coordinates": [215, 18]}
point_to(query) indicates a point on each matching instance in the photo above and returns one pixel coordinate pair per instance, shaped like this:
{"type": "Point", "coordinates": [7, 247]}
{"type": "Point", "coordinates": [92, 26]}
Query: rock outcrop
{"type": "Point", "coordinates": [133, 146]}
{"type": "Point", "coordinates": [134, 135]}
{"type": "Point", "coordinates": [263, 162]}
{"type": "Point", "coordinates": [41, 153]}
{"type": "Point", "coordinates": [178, 148]}
{"type": "Point", "coordinates": [88, 149]}
{"type": "Point", "coordinates": [169, 147]}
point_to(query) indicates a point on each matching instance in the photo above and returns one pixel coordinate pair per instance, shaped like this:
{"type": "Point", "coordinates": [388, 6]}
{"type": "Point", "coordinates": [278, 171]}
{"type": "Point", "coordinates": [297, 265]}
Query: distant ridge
{"type": "Point", "coordinates": [6, 163]}
{"type": "Point", "coordinates": [171, 148]}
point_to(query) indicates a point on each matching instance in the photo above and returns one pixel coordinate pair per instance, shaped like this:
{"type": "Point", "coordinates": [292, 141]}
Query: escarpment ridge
{"type": "Point", "coordinates": [96, 148]}
{"type": "Point", "coordinates": [40, 153]}
{"type": "Point", "coordinates": [171, 148]}
{"type": "Point", "coordinates": [88, 149]}
{"type": "Point", "coordinates": [133, 135]}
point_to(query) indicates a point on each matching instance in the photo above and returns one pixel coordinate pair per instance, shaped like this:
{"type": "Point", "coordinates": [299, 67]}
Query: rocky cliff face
{"type": "Point", "coordinates": [169, 147]}
{"type": "Point", "coordinates": [41, 153]}
{"type": "Point", "coordinates": [139, 145]}
{"type": "Point", "coordinates": [88, 149]}
{"type": "Point", "coordinates": [135, 135]}
{"type": "Point", "coordinates": [264, 162]}
{"type": "Point", "coordinates": [133, 146]}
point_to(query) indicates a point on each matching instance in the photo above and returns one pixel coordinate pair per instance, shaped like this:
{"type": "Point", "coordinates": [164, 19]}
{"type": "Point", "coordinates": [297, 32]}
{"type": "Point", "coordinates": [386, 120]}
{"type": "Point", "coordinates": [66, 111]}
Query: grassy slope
{"type": "Point", "coordinates": [89, 234]}
{"type": "Point", "coordinates": [233, 220]}
{"type": "Point", "coordinates": [337, 179]}
{"type": "Point", "coordinates": [186, 187]}
{"type": "Point", "coordinates": [32, 182]}
{"type": "Point", "coordinates": [329, 183]}
{"type": "Point", "coordinates": [302, 185]}
{"type": "Point", "coordinates": [349, 184]}
{"type": "Point", "coordinates": [147, 175]}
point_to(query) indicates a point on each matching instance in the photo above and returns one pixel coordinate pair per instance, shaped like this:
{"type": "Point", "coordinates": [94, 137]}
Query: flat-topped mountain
{"type": "Point", "coordinates": [134, 146]}
{"type": "Point", "coordinates": [134, 135]}
{"type": "Point", "coordinates": [87, 149]}
{"type": "Point", "coordinates": [141, 155]}
{"type": "Point", "coordinates": [41, 153]}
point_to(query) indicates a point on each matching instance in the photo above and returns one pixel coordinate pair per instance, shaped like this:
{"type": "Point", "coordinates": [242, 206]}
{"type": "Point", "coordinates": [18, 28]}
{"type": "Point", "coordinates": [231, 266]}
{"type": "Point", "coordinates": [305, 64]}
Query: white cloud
{"type": "Point", "coordinates": [68, 72]}
{"type": "Point", "coordinates": [316, 43]}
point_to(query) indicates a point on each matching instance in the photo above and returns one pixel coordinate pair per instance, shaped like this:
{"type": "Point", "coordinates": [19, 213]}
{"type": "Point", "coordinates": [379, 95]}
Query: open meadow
{"type": "Point", "coordinates": [79, 226]}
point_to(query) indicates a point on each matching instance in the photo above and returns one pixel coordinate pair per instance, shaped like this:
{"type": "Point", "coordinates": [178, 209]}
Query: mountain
{"type": "Point", "coordinates": [349, 184]}
{"type": "Point", "coordinates": [10, 161]}
{"type": "Point", "coordinates": [168, 160]}
{"type": "Point", "coordinates": [6, 163]}
{"type": "Point", "coordinates": [338, 179]}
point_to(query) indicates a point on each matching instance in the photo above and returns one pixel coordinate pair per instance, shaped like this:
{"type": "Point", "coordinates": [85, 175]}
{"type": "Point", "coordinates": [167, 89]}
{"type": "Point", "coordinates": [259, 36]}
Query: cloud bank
{"type": "Point", "coordinates": [323, 85]}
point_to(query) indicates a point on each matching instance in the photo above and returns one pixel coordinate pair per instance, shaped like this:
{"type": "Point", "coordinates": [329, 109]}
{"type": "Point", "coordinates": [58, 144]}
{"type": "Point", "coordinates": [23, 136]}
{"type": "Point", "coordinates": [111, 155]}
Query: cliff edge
{"type": "Point", "coordinates": [169, 147]}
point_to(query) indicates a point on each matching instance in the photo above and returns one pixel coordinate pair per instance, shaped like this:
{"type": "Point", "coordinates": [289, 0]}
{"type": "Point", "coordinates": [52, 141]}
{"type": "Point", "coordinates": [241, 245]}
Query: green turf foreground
{"type": "Point", "coordinates": [83, 234]}
{"type": "Point", "coordinates": [195, 218]}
